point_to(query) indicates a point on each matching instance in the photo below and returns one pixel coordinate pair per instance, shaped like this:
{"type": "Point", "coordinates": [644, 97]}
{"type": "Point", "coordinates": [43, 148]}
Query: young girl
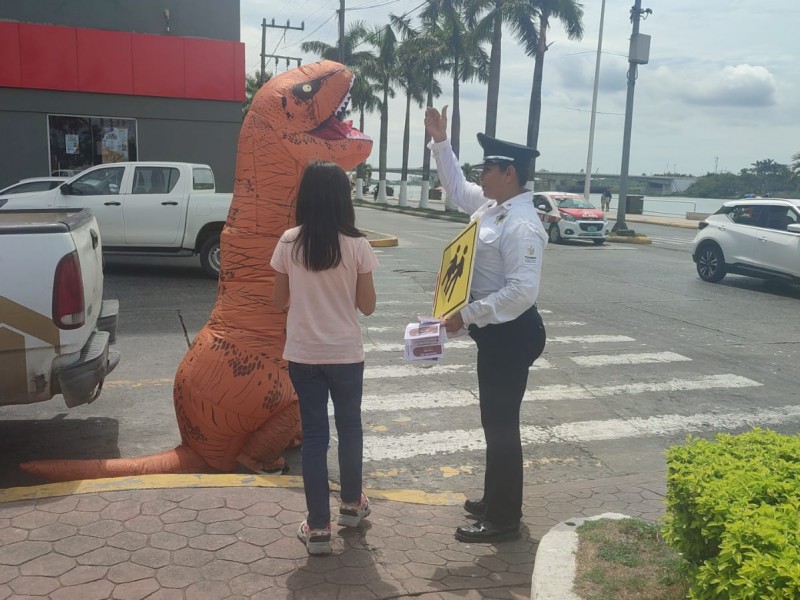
{"type": "Point", "coordinates": [323, 274]}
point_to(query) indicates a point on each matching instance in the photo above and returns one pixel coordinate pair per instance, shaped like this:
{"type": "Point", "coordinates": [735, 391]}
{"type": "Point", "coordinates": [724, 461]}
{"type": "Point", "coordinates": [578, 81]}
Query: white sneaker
{"type": "Point", "coordinates": [317, 541]}
{"type": "Point", "coordinates": [350, 515]}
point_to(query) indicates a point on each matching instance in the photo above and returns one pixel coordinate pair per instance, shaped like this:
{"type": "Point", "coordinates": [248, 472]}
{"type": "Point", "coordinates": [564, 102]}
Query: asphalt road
{"type": "Point", "coordinates": [640, 353]}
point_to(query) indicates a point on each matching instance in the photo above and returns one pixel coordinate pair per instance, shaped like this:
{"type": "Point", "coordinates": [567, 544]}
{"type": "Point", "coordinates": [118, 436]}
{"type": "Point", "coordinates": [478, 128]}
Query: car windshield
{"type": "Point", "coordinates": [574, 203]}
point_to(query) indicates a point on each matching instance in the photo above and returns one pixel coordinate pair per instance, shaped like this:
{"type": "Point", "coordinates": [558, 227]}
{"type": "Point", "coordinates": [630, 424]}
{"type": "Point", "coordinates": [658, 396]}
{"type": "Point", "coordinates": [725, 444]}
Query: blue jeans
{"type": "Point", "coordinates": [345, 383]}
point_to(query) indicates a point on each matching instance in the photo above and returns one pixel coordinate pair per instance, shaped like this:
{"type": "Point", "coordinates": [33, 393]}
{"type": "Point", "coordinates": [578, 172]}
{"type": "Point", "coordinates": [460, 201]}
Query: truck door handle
{"type": "Point", "coordinates": [763, 239]}
{"type": "Point", "coordinates": [113, 203]}
{"type": "Point", "coordinates": [169, 203]}
{"type": "Point", "coordinates": [95, 238]}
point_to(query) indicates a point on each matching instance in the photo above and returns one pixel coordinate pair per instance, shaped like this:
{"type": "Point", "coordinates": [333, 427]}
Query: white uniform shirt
{"type": "Point", "coordinates": [511, 242]}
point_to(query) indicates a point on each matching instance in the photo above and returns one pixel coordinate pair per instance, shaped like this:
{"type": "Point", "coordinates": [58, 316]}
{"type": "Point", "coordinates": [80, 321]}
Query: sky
{"type": "Point", "coordinates": [721, 89]}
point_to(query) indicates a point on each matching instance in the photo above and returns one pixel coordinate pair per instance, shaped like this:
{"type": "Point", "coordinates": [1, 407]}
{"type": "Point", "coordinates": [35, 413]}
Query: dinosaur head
{"type": "Point", "coordinates": [305, 108]}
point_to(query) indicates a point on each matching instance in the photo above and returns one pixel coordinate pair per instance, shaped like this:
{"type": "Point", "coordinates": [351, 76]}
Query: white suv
{"type": "Point", "coordinates": [759, 238]}
{"type": "Point", "coordinates": [571, 216]}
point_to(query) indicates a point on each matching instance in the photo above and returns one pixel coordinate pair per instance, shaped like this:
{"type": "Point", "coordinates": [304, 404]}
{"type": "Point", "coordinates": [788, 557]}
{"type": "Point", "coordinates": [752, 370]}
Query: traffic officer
{"type": "Point", "coordinates": [501, 316]}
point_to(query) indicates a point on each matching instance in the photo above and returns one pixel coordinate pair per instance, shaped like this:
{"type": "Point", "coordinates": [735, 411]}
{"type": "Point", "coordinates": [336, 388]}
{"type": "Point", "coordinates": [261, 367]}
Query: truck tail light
{"type": "Point", "coordinates": [68, 302]}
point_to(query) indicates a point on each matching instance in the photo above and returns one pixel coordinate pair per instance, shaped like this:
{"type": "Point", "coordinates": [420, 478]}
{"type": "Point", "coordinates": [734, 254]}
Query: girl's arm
{"type": "Point", "coordinates": [280, 292]}
{"type": "Point", "coordinates": [365, 293]}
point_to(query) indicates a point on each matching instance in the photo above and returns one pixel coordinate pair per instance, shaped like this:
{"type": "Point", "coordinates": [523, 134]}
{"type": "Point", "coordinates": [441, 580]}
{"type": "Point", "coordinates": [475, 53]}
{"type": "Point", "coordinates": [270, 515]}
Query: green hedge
{"type": "Point", "coordinates": [733, 506]}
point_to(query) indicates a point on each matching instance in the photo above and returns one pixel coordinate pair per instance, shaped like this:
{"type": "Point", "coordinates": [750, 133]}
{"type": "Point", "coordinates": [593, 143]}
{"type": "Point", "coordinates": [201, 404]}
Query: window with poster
{"type": "Point", "coordinates": [77, 143]}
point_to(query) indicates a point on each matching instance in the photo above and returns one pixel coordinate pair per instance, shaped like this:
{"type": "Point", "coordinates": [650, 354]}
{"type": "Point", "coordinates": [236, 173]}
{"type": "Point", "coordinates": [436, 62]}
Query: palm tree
{"type": "Point", "coordinates": [412, 76]}
{"type": "Point", "coordinates": [430, 47]}
{"type": "Point", "coordinates": [518, 14]}
{"type": "Point", "coordinates": [570, 13]}
{"type": "Point", "coordinates": [354, 36]}
{"type": "Point", "coordinates": [464, 58]}
{"type": "Point", "coordinates": [251, 86]}
{"type": "Point", "coordinates": [384, 70]}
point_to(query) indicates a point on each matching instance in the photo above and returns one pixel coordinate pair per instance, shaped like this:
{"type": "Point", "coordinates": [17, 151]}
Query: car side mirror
{"type": "Point", "coordinates": [793, 227]}
{"type": "Point", "coordinates": [65, 189]}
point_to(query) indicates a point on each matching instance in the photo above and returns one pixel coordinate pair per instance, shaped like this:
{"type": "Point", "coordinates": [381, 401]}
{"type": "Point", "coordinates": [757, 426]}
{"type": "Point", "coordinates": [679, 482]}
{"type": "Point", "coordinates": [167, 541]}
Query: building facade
{"type": "Point", "coordinates": [87, 82]}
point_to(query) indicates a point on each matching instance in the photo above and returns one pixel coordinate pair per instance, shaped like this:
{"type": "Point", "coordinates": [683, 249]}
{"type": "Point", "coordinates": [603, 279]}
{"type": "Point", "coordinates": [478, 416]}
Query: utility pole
{"type": "Point", "coordinates": [587, 183]}
{"type": "Point", "coordinates": [638, 54]}
{"type": "Point", "coordinates": [341, 31]}
{"type": "Point", "coordinates": [264, 54]}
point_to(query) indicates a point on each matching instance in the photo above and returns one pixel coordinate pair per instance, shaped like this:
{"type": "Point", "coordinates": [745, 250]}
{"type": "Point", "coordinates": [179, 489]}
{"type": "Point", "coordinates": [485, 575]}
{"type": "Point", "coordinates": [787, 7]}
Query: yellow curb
{"type": "Point", "coordinates": [384, 243]}
{"type": "Point", "coordinates": [174, 481]}
{"type": "Point", "coordinates": [384, 240]}
{"type": "Point", "coordinates": [621, 239]}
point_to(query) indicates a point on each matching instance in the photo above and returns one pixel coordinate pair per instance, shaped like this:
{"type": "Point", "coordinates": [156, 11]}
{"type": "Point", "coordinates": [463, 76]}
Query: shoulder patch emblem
{"type": "Point", "coordinates": [500, 218]}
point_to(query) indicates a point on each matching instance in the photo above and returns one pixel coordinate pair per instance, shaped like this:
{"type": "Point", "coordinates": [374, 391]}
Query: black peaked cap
{"type": "Point", "coordinates": [498, 152]}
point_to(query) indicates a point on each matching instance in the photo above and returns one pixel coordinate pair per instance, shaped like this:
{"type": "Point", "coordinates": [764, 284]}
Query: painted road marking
{"type": "Point", "coordinates": [423, 369]}
{"type": "Point", "coordinates": [557, 392]}
{"type": "Point", "coordinates": [468, 343]}
{"type": "Point", "coordinates": [643, 358]}
{"type": "Point", "coordinates": [426, 444]}
{"type": "Point", "coordinates": [589, 339]}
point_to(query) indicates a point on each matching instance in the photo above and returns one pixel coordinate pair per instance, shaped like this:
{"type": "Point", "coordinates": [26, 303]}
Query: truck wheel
{"type": "Point", "coordinates": [210, 256]}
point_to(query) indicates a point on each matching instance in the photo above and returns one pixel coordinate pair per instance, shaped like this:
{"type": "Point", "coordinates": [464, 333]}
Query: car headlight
{"type": "Point", "coordinates": [568, 217]}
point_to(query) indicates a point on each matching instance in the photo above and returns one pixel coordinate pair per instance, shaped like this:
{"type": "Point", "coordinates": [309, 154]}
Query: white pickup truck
{"type": "Point", "coordinates": [55, 327]}
{"type": "Point", "coordinates": [145, 208]}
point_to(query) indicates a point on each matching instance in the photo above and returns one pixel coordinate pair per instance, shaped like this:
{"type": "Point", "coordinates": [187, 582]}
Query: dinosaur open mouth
{"type": "Point", "coordinates": [336, 128]}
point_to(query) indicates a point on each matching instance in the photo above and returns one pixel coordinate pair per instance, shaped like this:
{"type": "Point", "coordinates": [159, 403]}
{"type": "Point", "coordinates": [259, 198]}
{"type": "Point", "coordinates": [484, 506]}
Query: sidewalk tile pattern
{"type": "Point", "coordinates": [206, 544]}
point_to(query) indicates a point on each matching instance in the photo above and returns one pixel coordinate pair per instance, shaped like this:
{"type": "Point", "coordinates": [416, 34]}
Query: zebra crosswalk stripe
{"type": "Point", "coordinates": [377, 448]}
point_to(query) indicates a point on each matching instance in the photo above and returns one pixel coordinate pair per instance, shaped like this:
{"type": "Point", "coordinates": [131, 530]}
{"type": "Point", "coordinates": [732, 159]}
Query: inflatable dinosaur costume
{"type": "Point", "coordinates": [234, 401]}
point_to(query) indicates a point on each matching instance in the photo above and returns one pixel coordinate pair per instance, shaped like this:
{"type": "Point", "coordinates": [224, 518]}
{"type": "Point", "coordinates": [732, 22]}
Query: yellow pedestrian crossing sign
{"type": "Point", "coordinates": [455, 273]}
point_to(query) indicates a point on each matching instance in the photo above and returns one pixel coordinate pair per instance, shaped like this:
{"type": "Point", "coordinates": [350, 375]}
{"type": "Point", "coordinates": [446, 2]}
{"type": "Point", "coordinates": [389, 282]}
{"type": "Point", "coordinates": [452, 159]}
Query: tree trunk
{"type": "Point", "coordinates": [384, 143]}
{"type": "Point", "coordinates": [406, 137]}
{"type": "Point", "coordinates": [493, 91]}
{"type": "Point", "coordinates": [426, 153]}
{"type": "Point", "coordinates": [455, 128]}
{"type": "Point", "coordinates": [535, 112]}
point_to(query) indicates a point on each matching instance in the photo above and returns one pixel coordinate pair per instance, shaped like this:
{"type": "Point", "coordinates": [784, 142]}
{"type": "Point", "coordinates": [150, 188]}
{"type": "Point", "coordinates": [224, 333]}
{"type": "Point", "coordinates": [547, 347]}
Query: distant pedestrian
{"type": "Point", "coordinates": [323, 273]}
{"type": "Point", "coordinates": [605, 200]}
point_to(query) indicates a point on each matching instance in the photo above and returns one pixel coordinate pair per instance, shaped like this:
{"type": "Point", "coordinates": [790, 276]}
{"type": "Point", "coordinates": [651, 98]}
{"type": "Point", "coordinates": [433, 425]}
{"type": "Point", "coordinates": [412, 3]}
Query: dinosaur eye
{"type": "Point", "coordinates": [306, 90]}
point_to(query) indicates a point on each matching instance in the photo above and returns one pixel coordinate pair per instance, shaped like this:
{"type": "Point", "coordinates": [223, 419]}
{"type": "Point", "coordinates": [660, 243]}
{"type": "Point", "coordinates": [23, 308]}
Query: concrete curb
{"type": "Point", "coordinates": [621, 239]}
{"type": "Point", "coordinates": [554, 566]}
{"type": "Point", "coordinates": [380, 240]}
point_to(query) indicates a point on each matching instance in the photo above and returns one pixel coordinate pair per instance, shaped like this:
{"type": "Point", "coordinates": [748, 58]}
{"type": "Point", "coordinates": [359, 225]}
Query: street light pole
{"type": "Point", "coordinates": [587, 180]}
{"type": "Point", "coordinates": [639, 53]}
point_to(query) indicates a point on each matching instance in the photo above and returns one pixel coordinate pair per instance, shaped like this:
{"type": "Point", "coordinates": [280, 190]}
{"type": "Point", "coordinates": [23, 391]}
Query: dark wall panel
{"type": "Point", "coordinates": [203, 131]}
{"type": "Point", "coordinates": [214, 19]}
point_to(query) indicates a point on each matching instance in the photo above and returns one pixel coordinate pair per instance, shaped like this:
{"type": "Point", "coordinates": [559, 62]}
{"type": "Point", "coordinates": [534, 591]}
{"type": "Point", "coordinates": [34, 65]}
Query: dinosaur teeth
{"type": "Point", "coordinates": [341, 111]}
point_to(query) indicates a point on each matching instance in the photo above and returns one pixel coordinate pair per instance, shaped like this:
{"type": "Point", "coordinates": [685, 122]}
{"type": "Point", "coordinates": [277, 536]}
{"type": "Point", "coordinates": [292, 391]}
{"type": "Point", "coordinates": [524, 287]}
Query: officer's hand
{"type": "Point", "coordinates": [436, 124]}
{"type": "Point", "coordinates": [454, 323]}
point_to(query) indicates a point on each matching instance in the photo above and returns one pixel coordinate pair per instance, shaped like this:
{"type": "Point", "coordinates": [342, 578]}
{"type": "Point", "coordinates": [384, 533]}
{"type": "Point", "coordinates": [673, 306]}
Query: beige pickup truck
{"type": "Point", "coordinates": [55, 327]}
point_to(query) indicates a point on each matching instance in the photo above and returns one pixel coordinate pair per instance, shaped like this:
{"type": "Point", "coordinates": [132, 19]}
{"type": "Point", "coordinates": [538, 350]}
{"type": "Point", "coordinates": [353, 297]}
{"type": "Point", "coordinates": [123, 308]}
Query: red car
{"type": "Point", "coordinates": [571, 216]}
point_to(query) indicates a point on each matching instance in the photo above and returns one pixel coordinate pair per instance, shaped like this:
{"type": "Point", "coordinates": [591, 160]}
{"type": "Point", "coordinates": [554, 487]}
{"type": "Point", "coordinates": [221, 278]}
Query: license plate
{"type": "Point", "coordinates": [591, 228]}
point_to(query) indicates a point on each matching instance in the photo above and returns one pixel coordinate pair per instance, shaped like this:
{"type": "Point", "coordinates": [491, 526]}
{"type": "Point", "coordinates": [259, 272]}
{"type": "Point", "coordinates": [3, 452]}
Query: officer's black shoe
{"type": "Point", "coordinates": [477, 508]}
{"type": "Point", "coordinates": [486, 532]}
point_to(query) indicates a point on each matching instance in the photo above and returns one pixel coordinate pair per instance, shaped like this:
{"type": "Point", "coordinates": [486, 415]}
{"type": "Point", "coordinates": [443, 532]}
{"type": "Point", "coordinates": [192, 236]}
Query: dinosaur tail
{"type": "Point", "coordinates": [181, 459]}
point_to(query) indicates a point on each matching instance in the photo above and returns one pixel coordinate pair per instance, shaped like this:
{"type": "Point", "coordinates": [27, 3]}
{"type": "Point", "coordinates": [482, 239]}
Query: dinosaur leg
{"type": "Point", "coordinates": [265, 446]}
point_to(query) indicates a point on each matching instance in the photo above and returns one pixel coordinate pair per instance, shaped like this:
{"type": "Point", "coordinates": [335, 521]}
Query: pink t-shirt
{"type": "Point", "coordinates": [322, 326]}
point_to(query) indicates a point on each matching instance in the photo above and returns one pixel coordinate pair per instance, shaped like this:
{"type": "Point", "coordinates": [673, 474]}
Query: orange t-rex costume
{"type": "Point", "coordinates": [233, 398]}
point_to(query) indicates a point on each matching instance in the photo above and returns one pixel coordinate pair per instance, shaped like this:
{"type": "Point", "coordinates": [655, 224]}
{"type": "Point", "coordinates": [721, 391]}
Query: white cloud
{"type": "Point", "coordinates": [722, 86]}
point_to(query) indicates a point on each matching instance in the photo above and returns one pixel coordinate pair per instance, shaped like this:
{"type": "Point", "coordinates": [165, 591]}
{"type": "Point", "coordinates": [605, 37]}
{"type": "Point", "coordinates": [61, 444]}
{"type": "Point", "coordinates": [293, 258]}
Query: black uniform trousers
{"type": "Point", "coordinates": [505, 353]}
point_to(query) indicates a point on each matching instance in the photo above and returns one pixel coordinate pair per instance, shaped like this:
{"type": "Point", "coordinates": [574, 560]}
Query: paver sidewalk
{"type": "Point", "coordinates": [239, 542]}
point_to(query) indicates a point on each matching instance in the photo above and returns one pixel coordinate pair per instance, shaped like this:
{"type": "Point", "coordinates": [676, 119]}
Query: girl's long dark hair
{"type": "Point", "coordinates": [323, 211]}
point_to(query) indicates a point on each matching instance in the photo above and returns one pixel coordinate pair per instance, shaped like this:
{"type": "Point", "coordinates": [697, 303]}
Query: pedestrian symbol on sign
{"type": "Point", "coordinates": [455, 273]}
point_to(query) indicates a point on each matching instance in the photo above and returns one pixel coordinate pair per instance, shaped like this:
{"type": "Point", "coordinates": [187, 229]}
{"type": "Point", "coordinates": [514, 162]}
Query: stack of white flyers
{"type": "Point", "coordinates": [425, 340]}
